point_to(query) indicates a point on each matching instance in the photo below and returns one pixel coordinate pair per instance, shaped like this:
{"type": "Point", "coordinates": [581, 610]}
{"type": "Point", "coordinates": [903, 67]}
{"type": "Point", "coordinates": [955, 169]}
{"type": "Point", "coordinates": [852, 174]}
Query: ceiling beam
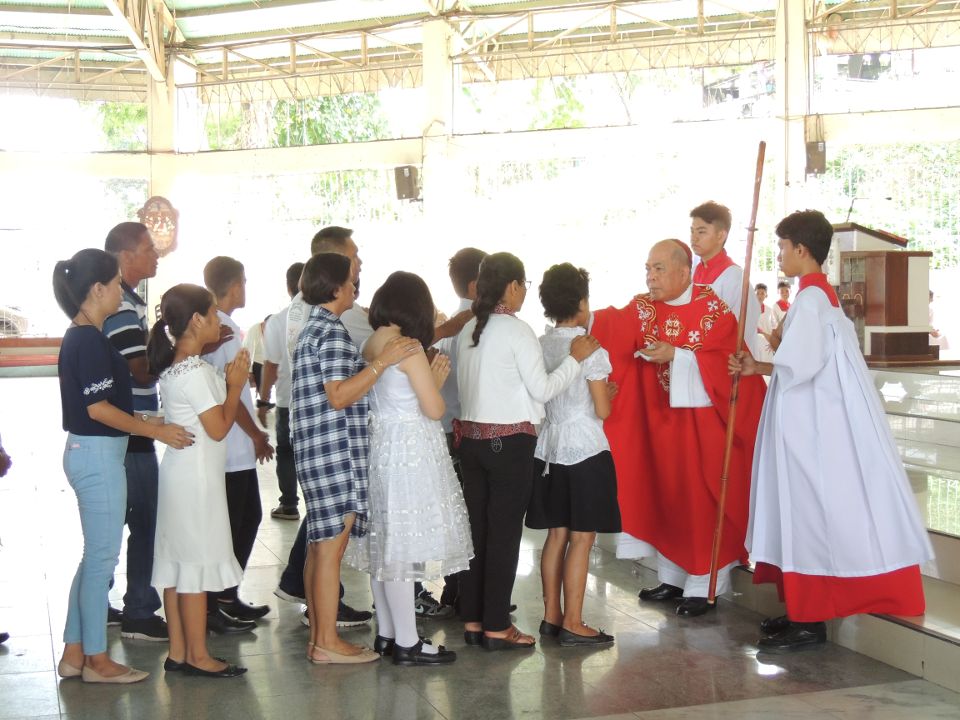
{"type": "Point", "coordinates": [143, 22]}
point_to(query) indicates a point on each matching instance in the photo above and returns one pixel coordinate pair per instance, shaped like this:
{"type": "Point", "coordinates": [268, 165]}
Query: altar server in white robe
{"type": "Point", "coordinates": [832, 519]}
{"type": "Point", "coordinates": [765, 326]}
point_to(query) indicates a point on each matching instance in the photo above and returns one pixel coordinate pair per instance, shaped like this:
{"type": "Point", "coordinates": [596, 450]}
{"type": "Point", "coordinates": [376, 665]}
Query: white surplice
{"type": "Point", "coordinates": [829, 495]}
{"type": "Point", "coordinates": [765, 323]}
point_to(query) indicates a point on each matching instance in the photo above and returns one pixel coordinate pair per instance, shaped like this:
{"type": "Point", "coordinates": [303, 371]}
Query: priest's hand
{"type": "Point", "coordinates": [583, 347]}
{"type": "Point", "coordinates": [612, 390]}
{"type": "Point", "coordinates": [659, 352]}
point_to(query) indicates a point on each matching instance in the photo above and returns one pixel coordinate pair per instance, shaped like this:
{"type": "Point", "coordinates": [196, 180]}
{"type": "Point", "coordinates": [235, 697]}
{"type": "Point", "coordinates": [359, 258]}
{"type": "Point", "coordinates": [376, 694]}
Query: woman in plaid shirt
{"type": "Point", "coordinates": [329, 434]}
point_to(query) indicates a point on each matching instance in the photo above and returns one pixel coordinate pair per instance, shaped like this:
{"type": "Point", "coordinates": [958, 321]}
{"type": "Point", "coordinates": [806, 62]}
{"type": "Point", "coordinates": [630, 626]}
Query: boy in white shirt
{"type": "Point", "coordinates": [246, 443]}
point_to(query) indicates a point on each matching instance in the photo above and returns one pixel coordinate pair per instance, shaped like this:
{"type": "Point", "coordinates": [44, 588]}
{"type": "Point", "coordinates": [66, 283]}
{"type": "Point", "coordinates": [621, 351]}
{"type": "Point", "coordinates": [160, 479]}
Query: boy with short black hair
{"type": "Point", "coordinates": [832, 519]}
{"type": "Point", "coordinates": [246, 443]}
{"type": "Point", "coordinates": [709, 228]}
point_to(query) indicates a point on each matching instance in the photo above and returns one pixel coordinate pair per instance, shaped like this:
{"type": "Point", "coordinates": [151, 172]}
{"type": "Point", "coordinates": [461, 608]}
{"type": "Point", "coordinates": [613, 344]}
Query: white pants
{"type": "Point", "coordinates": [693, 585]}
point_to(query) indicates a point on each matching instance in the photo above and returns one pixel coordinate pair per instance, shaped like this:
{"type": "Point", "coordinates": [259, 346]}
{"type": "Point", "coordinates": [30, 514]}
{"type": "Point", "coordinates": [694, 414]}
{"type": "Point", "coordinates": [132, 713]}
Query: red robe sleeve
{"type": "Point", "coordinates": [618, 330]}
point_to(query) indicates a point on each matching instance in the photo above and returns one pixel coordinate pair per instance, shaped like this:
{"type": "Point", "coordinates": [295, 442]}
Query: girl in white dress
{"type": "Point", "coordinates": [193, 552]}
{"type": "Point", "coordinates": [418, 526]}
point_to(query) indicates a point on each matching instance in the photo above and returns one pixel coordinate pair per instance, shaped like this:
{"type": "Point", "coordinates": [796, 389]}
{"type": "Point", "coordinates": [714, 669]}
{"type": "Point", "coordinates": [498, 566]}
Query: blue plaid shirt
{"type": "Point", "coordinates": [330, 446]}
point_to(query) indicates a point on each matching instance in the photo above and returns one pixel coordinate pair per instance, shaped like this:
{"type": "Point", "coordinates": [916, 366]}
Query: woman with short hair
{"type": "Point", "coordinates": [330, 443]}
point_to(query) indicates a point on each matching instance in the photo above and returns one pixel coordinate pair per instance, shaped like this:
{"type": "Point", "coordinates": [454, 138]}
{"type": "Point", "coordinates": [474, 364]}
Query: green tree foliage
{"type": "Point", "coordinates": [923, 182]}
{"type": "Point", "coordinates": [556, 104]}
{"type": "Point", "coordinates": [329, 119]}
{"type": "Point", "coordinates": [124, 125]}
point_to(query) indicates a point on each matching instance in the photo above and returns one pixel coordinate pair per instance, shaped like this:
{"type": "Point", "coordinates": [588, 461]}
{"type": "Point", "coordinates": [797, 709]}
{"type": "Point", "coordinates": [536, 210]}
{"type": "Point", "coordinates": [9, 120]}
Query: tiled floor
{"type": "Point", "coordinates": [661, 667]}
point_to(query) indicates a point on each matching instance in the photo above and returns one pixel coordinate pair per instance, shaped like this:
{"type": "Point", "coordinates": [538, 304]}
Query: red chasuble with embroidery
{"type": "Point", "coordinates": [669, 459]}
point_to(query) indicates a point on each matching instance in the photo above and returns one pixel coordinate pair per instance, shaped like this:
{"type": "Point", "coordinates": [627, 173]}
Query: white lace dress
{"type": "Point", "coordinates": [193, 551]}
{"type": "Point", "coordinates": [418, 526]}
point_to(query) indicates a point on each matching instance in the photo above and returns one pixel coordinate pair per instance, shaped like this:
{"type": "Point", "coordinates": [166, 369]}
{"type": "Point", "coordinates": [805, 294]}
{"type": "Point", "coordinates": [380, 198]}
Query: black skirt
{"type": "Point", "coordinates": [581, 497]}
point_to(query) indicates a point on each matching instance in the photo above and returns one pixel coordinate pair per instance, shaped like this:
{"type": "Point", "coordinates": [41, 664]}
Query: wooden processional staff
{"type": "Point", "coordinates": [732, 413]}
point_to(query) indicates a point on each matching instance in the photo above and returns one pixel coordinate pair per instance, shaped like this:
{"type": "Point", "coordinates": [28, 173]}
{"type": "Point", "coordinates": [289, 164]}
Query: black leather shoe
{"type": "Point", "coordinates": [239, 610]}
{"type": "Point", "coordinates": [774, 625]}
{"type": "Point", "coordinates": [415, 655]}
{"type": "Point", "coordinates": [174, 666]}
{"type": "Point", "coordinates": [473, 637]}
{"type": "Point", "coordinates": [570, 639]}
{"type": "Point", "coordinates": [547, 628]}
{"type": "Point", "coordinates": [799, 636]}
{"type": "Point", "coordinates": [664, 592]}
{"type": "Point", "coordinates": [694, 607]}
{"type": "Point", "coordinates": [383, 646]}
{"type": "Point", "coordinates": [229, 671]}
{"type": "Point", "coordinates": [222, 624]}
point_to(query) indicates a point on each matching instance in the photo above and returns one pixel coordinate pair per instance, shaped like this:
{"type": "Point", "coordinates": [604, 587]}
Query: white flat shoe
{"type": "Point", "coordinates": [90, 675]}
{"type": "Point", "coordinates": [66, 670]}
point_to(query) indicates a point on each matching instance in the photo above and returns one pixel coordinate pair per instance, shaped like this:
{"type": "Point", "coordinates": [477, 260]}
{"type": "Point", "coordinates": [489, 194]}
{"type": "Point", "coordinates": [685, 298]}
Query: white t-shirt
{"type": "Point", "coordinates": [275, 351]}
{"type": "Point", "coordinates": [253, 342]}
{"type": "Point", "coordinates": [355, 320]}
{"type": "Point", "coordinates": [449, 391]}
{"type": "Point", "coordinates": [241, 454]}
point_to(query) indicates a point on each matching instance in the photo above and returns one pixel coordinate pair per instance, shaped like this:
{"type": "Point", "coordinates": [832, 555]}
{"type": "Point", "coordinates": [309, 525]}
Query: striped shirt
{"type": "Point", "coordinates": [127, 331]}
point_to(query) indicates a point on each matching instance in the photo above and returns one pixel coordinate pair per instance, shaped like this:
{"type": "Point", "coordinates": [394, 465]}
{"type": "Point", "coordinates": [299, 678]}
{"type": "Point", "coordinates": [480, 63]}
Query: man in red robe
{"type": "Point", "coordinates": [667, 428]}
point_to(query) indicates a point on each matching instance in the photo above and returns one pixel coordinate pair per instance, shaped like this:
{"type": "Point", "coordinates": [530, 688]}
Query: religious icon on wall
{"type": "Point", "coordinates": [162, 221]}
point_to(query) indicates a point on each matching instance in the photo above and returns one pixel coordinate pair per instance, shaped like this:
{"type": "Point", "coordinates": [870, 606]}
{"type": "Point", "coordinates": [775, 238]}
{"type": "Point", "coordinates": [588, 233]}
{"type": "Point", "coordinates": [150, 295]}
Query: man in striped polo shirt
{"type": "Point", "coordinates": [127, 330]}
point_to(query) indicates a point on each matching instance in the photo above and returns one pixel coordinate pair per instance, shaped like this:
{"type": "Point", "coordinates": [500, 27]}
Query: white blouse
{"type": "Point", "coordinates": [503, 379]}
{"type": "Point", "coordinates": [572, 432]}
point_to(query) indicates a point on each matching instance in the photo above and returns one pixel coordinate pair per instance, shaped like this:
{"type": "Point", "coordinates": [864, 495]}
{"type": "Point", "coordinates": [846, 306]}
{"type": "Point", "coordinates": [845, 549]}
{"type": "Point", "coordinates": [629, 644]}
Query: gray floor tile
{"type": "Point", "coordinates": [28, 695]}
{"type": "Point", "coordinates": [661, 667]}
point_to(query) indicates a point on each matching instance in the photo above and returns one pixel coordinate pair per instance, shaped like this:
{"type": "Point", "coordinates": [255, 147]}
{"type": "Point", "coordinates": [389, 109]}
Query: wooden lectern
{"type": "Point", "coordinates": [885, 290]}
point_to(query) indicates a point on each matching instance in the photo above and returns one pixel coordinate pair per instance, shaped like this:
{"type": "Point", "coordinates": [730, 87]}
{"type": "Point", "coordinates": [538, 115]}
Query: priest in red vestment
{"type": "Point", "coordinates": [667, 427]}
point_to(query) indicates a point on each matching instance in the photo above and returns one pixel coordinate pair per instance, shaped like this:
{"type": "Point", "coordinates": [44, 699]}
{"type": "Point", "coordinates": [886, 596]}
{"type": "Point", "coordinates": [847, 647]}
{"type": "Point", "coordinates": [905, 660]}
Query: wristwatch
{"type": "Point", "coordinates": [144, 417]}
{"type": "Point", "coordinates": [265, 404]}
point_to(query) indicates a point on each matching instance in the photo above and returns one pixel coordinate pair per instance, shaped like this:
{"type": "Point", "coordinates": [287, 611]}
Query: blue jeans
{"type": "Point", "coordinates": [141, 600]}
{"type": "Point", "coordinates": [94, 468]}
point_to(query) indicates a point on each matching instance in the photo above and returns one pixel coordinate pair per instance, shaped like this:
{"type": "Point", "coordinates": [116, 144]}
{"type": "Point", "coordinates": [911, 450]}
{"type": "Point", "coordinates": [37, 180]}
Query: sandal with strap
{"type": "Point", "coordinates": [512, 641]}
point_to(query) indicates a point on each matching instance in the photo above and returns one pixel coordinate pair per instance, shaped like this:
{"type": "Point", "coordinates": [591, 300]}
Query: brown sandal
{"type": "Point", "coordinates": [512, 641]}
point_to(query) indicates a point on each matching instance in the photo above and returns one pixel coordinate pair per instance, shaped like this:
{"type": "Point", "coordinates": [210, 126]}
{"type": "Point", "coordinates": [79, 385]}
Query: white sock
{"type": "Point", "coordinates": [404, 616]}
{"type": "Point", "coordinates": [384, 622]}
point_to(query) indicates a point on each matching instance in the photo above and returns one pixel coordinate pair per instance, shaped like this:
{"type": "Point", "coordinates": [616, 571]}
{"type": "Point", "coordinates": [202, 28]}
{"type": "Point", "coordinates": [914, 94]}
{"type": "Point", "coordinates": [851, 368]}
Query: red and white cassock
{"type": "Point", "coordinates": [832, 519]}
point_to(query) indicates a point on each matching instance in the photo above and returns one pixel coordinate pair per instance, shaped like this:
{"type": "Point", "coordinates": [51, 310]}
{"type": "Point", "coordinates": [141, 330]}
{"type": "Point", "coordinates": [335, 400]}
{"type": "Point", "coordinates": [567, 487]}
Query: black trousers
{"type": "Point", "coordinates": [497, 482]}
{"type": "Point", "coordinates": [451, 583]}
{"type": "Point", "coordinates": [243, 505]}
{"type": "Point", "coordinates": [286, 470]}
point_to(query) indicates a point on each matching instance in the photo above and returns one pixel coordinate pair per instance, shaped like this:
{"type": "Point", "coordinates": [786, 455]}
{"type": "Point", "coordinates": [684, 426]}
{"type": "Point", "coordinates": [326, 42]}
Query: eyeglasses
{"type": "Point", "coordinates": [527, 283]}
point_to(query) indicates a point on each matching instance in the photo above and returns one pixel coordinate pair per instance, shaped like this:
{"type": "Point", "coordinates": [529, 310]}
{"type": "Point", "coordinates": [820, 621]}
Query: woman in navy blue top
{"type": "Point", "coordinates": [97, 401]}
